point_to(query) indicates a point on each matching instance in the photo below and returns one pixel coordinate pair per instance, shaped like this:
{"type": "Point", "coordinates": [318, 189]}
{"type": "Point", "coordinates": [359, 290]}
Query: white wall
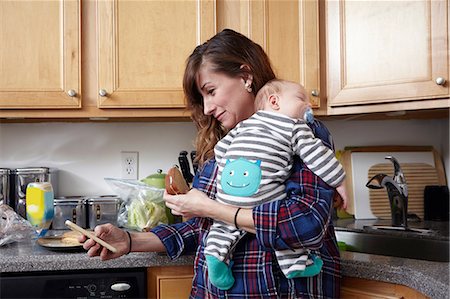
{"type": "Point", "coordinates": [86, 153]}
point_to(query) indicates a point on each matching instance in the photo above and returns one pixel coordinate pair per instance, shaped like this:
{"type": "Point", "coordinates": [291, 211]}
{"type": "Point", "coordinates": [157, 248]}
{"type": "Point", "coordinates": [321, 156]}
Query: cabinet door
{"type": "Point", "coordinates": [169, 282]}
{"type": "Point", "coordinates": [358, 288]}
{"type": "Point", "coordinates": [386, 51]}
{"type": "Point", "coordinates": [143, 47]}
{"type": "Point", "coordinates": [40, 54]}
{"type": "Point", "coordinates": [288, 31]}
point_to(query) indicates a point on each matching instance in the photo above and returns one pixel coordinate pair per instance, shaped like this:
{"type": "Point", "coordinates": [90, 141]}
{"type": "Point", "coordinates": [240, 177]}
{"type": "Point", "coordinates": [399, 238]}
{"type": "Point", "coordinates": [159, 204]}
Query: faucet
{"type": "Point", "coordinates": [397, 192]}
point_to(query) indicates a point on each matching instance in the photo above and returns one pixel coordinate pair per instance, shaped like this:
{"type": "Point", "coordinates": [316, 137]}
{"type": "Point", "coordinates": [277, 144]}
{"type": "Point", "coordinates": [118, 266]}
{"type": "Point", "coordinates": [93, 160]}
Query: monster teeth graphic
{"type": "Point", "coordinates": [241, 186]}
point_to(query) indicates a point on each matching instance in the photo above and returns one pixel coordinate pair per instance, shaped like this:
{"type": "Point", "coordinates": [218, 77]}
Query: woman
{"type": "Point", "coordinates": [221, 80]}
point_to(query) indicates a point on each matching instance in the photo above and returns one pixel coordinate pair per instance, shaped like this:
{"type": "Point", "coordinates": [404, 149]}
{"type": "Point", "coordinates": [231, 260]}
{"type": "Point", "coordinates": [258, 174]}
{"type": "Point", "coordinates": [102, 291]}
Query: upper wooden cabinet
{"type": "Point", "coordinates": [386, 52]}
{"type": "Point", "coordinates": [143, 47]}
{"type": "Point", "coordinates": [287, 30]}
{"type": "Point", "coordinates": [40, 54]}
{"type": "Point", "coordinates": [368, 56]}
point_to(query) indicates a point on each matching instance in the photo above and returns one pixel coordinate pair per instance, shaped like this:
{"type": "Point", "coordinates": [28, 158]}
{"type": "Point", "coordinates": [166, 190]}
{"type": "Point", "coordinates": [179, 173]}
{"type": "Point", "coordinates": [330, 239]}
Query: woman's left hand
{"type": "Point", "coordinates": [192, 204]}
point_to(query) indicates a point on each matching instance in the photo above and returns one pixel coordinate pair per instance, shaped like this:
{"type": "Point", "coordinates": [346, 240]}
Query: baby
{"type": "Point", "coordinates": [254, 161]}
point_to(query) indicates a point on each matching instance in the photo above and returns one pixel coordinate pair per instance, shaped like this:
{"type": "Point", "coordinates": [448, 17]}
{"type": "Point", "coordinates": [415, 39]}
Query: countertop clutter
{"type": "Point", "coordinates": [429, 278]}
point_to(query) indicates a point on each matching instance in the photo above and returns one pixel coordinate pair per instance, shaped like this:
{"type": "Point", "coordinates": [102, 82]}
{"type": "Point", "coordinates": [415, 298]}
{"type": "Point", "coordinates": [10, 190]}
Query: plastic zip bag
{"type": "Point", "coordinates": [13, 227]}
{"type": "Point", "coordinates": [143, 206]}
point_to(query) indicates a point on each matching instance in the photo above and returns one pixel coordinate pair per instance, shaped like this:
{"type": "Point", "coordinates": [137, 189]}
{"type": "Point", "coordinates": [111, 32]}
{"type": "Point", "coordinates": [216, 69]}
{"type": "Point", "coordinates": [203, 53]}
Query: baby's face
{"type": "Point", "coordinates": [293, 100]}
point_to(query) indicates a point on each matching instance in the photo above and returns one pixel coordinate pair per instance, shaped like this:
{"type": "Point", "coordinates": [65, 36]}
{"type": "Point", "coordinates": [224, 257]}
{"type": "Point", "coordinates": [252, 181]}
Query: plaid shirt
{"type": "Point", "coordinates": [301, 220]}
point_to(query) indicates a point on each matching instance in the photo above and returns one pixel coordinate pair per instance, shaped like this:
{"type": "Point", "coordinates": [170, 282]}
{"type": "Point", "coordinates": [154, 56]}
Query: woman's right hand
{"type": "Point", "coordinates": [110, 234]}
{"type": "Point", "coordinates": [192, 204]}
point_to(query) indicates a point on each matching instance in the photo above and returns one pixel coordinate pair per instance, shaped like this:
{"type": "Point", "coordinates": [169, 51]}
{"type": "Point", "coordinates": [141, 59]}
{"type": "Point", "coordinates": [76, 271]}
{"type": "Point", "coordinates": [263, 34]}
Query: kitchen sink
{"type": "Point", "coordinates": [412, 245]}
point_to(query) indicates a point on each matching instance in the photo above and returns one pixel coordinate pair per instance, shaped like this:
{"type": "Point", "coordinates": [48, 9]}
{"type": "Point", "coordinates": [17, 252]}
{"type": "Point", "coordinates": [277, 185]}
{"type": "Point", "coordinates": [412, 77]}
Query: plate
{"type": "Point", "coordinates": [56, 243]}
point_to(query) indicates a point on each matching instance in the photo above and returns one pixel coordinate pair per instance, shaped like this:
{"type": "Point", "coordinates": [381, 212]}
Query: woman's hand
{"type": "Point", "coordinates": [192, 204]}
{"type": "Point", "coordinates": [110, 234]}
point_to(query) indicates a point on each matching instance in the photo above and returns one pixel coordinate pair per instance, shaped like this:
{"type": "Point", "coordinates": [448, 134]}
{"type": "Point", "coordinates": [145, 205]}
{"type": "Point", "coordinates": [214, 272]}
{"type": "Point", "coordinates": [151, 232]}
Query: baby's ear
{"type": "Point", "coordinates": [273, 101]}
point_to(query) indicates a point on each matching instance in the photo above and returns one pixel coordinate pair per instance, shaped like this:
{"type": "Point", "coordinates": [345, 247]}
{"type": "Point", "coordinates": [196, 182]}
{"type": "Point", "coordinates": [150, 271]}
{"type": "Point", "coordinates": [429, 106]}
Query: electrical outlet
{"type": "Point", "coordinates": [130, 162]}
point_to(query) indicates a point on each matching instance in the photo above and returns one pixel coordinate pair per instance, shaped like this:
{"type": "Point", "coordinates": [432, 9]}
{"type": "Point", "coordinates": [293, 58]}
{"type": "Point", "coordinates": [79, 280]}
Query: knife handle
{"type": "Point", "coordinates": [185, 168]}
{"type": "Point", "coordinates": [194, 163]}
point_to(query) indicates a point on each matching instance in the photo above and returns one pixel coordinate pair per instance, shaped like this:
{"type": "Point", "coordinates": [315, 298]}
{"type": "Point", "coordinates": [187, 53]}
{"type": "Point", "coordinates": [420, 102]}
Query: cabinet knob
{"type": "Point", "coordinates": [72, 93]}
{"type": "Point", "coordinates": [440, 81]}
{"type": "Point", "coordinates": [315, 93]}
{"type": "Point", "coordinates": [102, 92]}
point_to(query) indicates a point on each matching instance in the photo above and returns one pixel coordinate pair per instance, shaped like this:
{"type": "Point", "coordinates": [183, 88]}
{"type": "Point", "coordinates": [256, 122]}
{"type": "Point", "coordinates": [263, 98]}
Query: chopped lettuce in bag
{"type": "Point", "coordinates": [143, 206]}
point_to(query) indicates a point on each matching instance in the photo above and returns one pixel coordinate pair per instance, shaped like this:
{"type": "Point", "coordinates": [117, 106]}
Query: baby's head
{"type": "Point", "coordinates": [286, 97]}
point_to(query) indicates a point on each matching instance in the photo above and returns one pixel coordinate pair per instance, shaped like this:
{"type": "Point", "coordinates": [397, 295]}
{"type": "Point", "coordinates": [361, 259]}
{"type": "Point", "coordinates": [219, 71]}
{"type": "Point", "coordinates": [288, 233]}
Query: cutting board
{"type": "Point", "coordinates": [359, 161]}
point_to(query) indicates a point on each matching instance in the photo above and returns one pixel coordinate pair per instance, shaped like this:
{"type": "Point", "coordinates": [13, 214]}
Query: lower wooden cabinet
{"type": "Point", "coordinates": [171, 282]}
{"type": "Point", "coordinates": [358, 288]}
{"type": "Point", "coordinates": [175, 282]}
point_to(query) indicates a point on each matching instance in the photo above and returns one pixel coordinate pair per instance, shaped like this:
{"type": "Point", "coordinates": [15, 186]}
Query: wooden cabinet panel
{"type": "Point", "coordinates": [287, 30]}
{"type": "Point", "coordinates": [40, 54]}
{"type": "Point", "coordinates": [386, 51]}
{"type": "Point", "coordinates": [171, 282]}
{"type": "Point", "coordinates": [142, 49]}
{"type": "Point", "coordinates": [358, 288]}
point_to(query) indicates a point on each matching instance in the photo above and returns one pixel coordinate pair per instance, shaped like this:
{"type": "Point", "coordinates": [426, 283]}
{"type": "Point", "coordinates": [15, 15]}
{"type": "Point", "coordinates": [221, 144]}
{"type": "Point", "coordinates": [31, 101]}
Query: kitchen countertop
{"type": "Point", "coordinates": [429, 278]}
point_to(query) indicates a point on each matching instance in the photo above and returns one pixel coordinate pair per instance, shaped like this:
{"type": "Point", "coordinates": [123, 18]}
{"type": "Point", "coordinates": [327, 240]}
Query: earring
{"type": "Point", "coordinates": [248, 87]}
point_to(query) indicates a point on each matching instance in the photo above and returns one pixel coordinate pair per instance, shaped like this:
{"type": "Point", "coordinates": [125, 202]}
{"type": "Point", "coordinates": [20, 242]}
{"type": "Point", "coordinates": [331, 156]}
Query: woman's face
{"type": "Point", "coordinates": [224, 97]}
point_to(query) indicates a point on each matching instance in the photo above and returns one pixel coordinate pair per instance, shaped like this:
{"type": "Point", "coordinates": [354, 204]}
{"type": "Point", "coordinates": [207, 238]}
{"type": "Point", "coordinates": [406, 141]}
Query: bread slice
{"type": "Point", "coordinates": [175, 182]}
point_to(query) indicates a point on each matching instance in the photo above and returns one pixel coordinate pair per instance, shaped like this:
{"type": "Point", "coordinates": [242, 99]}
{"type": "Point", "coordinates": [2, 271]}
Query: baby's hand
{"type": "Point", "coordinates": [341, 198]}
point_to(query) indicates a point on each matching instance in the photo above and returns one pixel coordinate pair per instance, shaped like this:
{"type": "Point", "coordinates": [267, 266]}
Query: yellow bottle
{"type": "Point", "coordinates": [39, 205]}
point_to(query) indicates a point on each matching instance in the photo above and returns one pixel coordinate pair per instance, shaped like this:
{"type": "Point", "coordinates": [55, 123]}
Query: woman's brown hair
{"type": "Point", "coordinates": [225, 52]}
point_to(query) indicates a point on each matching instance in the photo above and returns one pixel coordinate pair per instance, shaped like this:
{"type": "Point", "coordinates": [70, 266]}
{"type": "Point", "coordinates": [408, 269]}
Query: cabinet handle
{"type": "Point", "coordinates": [315, 93]}
{"type": "Point", "coordinates": [440, 81]}
{"type": "Point", "coordinates": [102, 92]}
{"type": "Point", "coordinates": [72, 93]}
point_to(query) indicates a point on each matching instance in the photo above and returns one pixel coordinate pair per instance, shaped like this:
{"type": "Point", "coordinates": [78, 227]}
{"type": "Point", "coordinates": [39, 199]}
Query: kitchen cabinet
{"type": "Point", "coordinates": [387, 55]}
{"type": "Point", "coordinates": [142, 49]}
{"type": "Point", "coordinates": [133, 60]}
{"type": "Point", "coordinates": [40, 54]}
{"type": "Point", "coordinates": [170, 282]}
{"type": "Point", "coordinates": [176, 282]}
{"type": "Point", "coordinates": [118, 59]}
{"type": "Point", "coordinates": [358, 288]}
{"type": "Point", "coordinates": [287, 30]}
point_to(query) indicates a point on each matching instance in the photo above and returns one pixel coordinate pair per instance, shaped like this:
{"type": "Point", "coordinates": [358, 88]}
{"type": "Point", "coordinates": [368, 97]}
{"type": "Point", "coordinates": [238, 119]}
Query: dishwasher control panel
{"type": "Point", "coordinates": [114, 283]}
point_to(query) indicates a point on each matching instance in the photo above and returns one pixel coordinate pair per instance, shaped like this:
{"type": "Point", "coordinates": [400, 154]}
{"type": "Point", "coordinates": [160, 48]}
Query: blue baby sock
{"type": "Point", "coordinates": [310, 270]}
{"type": "Point", "coordinates": [219, 273]}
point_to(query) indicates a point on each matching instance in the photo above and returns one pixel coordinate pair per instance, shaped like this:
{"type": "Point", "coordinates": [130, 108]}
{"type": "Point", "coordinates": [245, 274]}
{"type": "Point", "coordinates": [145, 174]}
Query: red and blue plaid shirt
{"type": "Point", "coordinates": [301, 220]}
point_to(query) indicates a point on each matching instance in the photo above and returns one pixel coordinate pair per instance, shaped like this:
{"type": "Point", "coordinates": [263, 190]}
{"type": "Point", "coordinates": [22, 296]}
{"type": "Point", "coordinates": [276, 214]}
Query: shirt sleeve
{"type": "Point", "coordinates": [317, 157]}
{"type": "Point", "coordinates": [183, 238]}
{"type": "Point", "coordinates": [180, 238]}
{"type": "Point", "coordinates": [300, 220]}
{"type": "Point", "coordinates": [222, 146]}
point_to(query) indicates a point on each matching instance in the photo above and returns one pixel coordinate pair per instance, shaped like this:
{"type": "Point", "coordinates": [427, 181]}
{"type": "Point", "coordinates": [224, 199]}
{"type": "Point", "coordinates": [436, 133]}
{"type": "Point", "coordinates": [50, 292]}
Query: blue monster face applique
{"type": "Point", "coordinates": [241, 177]}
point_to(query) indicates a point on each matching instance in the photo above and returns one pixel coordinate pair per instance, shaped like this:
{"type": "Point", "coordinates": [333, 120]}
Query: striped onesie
{"type": "Point", "coordinates": [254, 160]}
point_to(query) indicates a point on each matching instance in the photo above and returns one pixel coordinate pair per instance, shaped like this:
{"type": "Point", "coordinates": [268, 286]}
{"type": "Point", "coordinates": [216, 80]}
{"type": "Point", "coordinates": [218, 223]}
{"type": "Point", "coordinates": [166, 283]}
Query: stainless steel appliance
{"type": "Point", "coordinates": [102, 209]}
{"type": "Point", "coordinates": [21, 177]}
{"type": "Point", "coordinates": [98, 283]}
{"type": "Point", "coordinates": [71, 208]}
{"type": "Point", "coordinates": [4, 186]}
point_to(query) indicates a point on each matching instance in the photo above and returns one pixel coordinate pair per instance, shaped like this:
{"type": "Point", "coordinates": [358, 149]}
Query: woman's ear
{"type": "Point", "coordinates": [247, 74]}
{"type": "Point", "coordinates": [273, 102]}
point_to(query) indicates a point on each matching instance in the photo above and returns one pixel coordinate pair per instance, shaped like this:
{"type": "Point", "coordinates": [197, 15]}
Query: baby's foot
{"type": "Point", "coordinates": [219, 273]}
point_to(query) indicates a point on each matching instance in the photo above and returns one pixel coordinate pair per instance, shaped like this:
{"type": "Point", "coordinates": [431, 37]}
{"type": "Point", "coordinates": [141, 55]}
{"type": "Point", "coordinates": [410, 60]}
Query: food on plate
{"type": "Point", "coordinates": [175, 182]}
{"type": "Point", "coordinates": [71, 238]}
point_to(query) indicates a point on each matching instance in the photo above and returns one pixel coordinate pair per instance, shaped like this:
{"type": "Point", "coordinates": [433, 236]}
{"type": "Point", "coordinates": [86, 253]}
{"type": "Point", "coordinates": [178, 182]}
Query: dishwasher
{"type": "Point", "coordinates": [95, 283]}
